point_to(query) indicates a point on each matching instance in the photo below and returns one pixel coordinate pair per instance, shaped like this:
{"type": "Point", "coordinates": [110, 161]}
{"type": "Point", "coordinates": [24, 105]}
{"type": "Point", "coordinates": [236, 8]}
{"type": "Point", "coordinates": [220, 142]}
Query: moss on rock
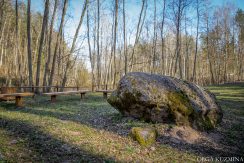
{"type": "Point", "coordinates": [204, 123]}
{"type": "Point", "coordinates": [164, 99]}
{"type": "Point", "coordinates": [144, 136]}
{"type": "Point", "coordinates": [180, 107]}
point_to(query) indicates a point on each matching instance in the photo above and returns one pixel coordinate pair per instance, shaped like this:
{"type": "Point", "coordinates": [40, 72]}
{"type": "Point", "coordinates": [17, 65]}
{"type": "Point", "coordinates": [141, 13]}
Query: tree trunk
{"type": "Point", "coordinates": [177, 45]}
{"type": "Point", "coordinates": [89, 46]}
{"type": "Point", "coordinates": [162, 42]}
{"type": "Point", "coordinates": [137, 35]}
{"type": "Point", "coordinates": [57, 43]}
{"type": "Point", "coordinates": [154, 38]}
{"type": "Point", "coordinates": [209, 60]}
{"type": "Point", "coordinates": [98, 45]}
{"type": "Point", "coordinates": [68, 63]}
{"type": "Point", "coordinates": [196, 47]}
{"type": "Point", "coordinates": [44, 25]}
{"type": "Point", "coordinates": [18, 57]}
{"type": "Point", "coordinates": [46, 70]}
{"type": "Point", "coordinates": [29, 43]}
{"type": "Point", "coordinates": [115, 38]}
{"type": "Point", "coordinates": [186, 65]}
{"type": "Point", "coordinates": [124, 33]}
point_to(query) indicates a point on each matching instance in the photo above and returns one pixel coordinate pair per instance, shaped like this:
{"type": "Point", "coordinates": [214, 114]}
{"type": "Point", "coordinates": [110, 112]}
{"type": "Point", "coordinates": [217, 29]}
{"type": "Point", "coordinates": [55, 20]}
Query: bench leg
{"type": "Point", "coordinates": [53, 98]}
{"type": "Point", "coordinates": [82, 95]}
{"type": "Point", "coordinates": [19, 101]}
{"type": "Point", "coordinates": [105, 95]}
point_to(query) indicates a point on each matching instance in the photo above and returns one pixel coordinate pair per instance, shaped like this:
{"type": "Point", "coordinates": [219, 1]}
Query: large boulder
{"type": "Point", "coordinates": [166, 99]}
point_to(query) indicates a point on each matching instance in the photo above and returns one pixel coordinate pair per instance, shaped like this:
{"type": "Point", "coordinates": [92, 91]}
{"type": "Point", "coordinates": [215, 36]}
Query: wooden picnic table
{"type": "Point", "coordinates": [105, 93]}
{"type": "Point", "coordinates": [55, 94]}
{"type": "Point", "coordinates": [18, 97]}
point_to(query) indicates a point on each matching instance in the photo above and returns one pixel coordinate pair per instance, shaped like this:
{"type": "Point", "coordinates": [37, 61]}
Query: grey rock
{"type": "Point", "coordinates": [164, 99]}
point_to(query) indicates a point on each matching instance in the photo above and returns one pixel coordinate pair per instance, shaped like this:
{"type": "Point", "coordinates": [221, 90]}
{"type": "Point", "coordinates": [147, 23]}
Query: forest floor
{"type": "Point", "coordinates": [73, 130]}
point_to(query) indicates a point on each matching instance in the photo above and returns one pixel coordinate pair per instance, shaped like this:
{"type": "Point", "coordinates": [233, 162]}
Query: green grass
{"type": "Point", "coordinates": [73, 130]}
{"type": "Point", "coordinates": [231, 99]}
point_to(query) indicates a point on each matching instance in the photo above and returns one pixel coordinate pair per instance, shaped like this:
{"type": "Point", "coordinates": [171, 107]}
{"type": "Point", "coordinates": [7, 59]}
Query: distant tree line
{"type": "Point", "coordinates": [32, 51]}
{"type": "Point", "coordinates": [191, 40]}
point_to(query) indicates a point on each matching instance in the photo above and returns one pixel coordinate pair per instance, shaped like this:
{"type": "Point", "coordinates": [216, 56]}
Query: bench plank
{"type": "Point", "coordinates": [18, 94]}
{"type": "Point", "coordinates": [65, 93]}
{"type": "Point", "coordinates": [55, 94]}
{"type": "Point", "coordinates": [105, 93]}
{"type": "Point", "coordinates": [19, 102]}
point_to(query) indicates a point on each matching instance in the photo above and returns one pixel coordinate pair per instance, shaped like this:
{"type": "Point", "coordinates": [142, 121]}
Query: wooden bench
{"type": "Point", "coordinates": [18, 97]}
{"type": "Point", "coordinates": [7, 90]}
{"type": "Point", "coordinates": [55, 94]}
{"type": "Point", "coordinates": [105, 93]}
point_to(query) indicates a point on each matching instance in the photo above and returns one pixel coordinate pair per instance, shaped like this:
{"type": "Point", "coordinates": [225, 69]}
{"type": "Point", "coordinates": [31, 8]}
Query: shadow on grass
{"type": "Point", "coordinates": [95, 112]}
{"type": "Point", "coordinates": [99, 118]}
{"type": "Point", "coordinates": [115, 125]}
{"type": "Point", "coordinates": [45, 147]}
{"type": "Point", "coordinates": [200, 148]}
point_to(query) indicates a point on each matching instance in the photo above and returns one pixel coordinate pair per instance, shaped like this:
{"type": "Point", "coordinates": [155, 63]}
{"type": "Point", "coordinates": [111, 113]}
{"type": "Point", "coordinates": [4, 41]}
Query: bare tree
{"type": "Point", "coordinates": [98, 45]}
{"type": "Point", "coordinates": [162, 39]}
{"type": "Point", "coordinates": [115, 38]}
{"type": "Point", "coordinates": [29, 43]}
{"type": "Point", "coordinates": [154, 38]}
{"type": "Point", "coordinates": [124, 34]}
{"type": "Point", "coordinates": [187, 44]}
{"type": "Point", "coordinates": [138, 32]}
{"type": "Point", "coordinates": [68, 63]}
{"type": "Point", "coordinates": [57, 43]}
{"type": "Point", "coordinates": [91, 57]}
{"type": "Point", "coordinates": [208, 53]}
{"type": "Point", "coordinates": [2, 3]}
{"type": "Point", "coordinates": [239, 18]}
{"type": "Point", "coordinates": [44, 25]}
{"type": "Point", "coordinates": [17, 41]}
{"type": "Point", "coordinates": [196, 47]}
{"type": "Point", "coordinates": [50, 43]}
{"type": "Point", "coordinates": [178, 8]}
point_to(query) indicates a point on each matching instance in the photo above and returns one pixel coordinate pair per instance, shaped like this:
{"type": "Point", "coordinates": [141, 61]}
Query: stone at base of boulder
{"type": "Point", "coordinates": [144, 136]}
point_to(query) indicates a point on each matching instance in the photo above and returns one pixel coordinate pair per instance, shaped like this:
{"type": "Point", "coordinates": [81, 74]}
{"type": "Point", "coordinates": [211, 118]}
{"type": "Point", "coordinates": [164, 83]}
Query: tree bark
{"type": "Point", "coordinates": [162, 41]}
{"type": "Point", "coordinates": [68, 63]}
{"type": "Point", "coordinates": [44, 25]}
{"type": "Point", "coordinates": [196, 46]}
{"type": "Point", "coordinates": [46, 70]}
{"type": "Point", "coordinates": [115, 38]}
{"type": "Point", "coordinates": [98, 45]}
{"type": "Point", "coordinates": [208, 54]}
{"type": "Point", "coordinates": [154, 38]}
{"type": "Point", "coordinates": [29, 43]}
{"type": "Point", "coordinates": [57, 43]}
{"type": "Point", "coordinates": [89, 47]}
{"type": "Point", "coordinates": [124, 34]}
{"type": "Point", "coordinates": [18, 57]}
{"type": "Point", "coordinates": [137, 35]}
